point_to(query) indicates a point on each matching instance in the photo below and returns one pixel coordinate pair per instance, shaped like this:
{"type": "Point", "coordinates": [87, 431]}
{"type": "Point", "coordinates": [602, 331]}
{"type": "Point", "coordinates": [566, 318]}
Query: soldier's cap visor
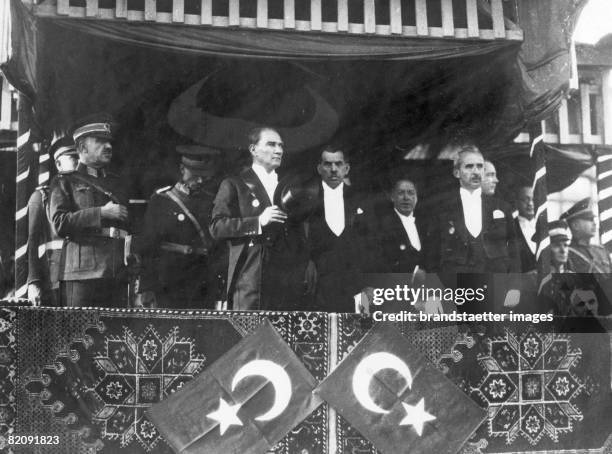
{"type": "Point", "coordinates": [99, 130]}
{"type": "Point", "coordinates": [198, 166]}
{"type": "Point", "coordinates": [69, 150]}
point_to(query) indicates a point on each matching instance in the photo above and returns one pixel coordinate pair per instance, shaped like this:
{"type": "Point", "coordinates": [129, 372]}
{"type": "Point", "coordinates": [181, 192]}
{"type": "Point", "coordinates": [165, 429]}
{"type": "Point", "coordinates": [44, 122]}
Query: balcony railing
{"type": "Point", "coordinates": [456, 19]}
{"type": "Point", "coordinates": [585, 117]}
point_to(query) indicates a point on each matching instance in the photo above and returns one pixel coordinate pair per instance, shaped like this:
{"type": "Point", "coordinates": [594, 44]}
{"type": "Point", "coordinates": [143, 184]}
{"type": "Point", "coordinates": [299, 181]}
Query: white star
{"type": "Point", "coordinates": [416, 416]}
{"type": "Point", "coordinates": [226, 415]}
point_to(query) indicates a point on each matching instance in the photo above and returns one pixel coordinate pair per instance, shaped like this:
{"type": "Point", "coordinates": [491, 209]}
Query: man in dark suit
{"type": "Point", "coordinates": [525, 226]}
{"type": "Point", "coordinates": [398, 235]}
{"type": "Point", "coordinates": [266, 269]}
{"type": "Point", "coordinates": [472, 233]}
{"type": "Point", "coordinates": [44, 245]}
{"type": "Point", "coordinates": [88, 209]}
{"type": "Point", "coordinates": [336, 234]}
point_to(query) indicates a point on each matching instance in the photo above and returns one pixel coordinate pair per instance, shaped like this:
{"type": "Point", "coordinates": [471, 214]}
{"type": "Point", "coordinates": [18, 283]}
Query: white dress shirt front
{"type": "Point", "coordinates": [411, 230]}
{"type": "Point", "coordinates": [268, 180]}
{"type": "Point", "coordinates": [333, 200]}
{"type": "Point", "coordinates": [472, 210]}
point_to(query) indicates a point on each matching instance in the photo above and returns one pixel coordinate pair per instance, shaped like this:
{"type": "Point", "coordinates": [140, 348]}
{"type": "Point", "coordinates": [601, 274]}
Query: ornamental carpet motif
{"type": "Point", "coordinates": [543, 391]}
{"type": "Point", "coordinates": [89, 375]}
{"type": "Point", "coordinates": [8, 372]}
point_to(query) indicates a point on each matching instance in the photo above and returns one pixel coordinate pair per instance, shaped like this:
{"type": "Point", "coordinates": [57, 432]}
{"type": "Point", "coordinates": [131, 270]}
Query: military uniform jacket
{"type": "Point", "coordinates": [588, 259]}
{"type": "Point", "coordinates": [44, 245]}
{"type": "Point", "coordinates": [448, 239]}
{"type": "Point", "coordinates": [165, 222]}
{"type": "Point", "coordinates": [76, 215]}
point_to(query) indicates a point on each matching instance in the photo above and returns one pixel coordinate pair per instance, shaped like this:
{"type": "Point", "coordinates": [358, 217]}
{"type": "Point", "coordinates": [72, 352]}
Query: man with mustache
{"type": "Point", "coordinates": [472, 233]}
{"type": "Point", "coordinates": [337, 233]}
{"type": "Point", "coordinates": [398, 233]}
{"type": "Point", "coordinates": [88, 209]}
{"type": "Point", "coordinates": [180, 260]}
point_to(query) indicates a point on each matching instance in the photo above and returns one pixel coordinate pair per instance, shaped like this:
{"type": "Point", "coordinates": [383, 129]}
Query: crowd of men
{"type": "Point", "coordinates": [254, 243]}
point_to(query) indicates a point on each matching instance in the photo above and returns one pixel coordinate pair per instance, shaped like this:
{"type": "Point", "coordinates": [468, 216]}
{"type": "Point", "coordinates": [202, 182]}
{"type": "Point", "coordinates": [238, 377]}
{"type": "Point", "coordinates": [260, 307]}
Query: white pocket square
{"type": "Point", "coordinates": [498, 214]}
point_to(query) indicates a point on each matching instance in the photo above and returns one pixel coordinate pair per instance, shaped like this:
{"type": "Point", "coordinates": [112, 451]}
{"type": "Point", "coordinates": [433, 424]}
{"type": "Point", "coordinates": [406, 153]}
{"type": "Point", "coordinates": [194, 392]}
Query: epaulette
{"type": "Point", "coordinates": [162, 190]}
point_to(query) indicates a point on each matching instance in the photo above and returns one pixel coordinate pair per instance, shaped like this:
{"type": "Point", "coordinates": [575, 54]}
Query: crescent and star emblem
{"type": "Point", "coordinates": [416, 416]}
{"type": "Point", "coordinates": [227, 415]}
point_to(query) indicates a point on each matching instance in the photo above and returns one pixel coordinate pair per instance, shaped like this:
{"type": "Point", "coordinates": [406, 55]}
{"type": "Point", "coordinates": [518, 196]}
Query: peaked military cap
{"type": "Point", "coordinates": [582, 210]}
{"type": "Point", "coordinates": [62, 146]}
{"type": "Point", "coordinates": [559, 231]}
{"type": "Point", "coordinates": [99, 125]}
{"type": "Point", "coordinates": [199, 157]}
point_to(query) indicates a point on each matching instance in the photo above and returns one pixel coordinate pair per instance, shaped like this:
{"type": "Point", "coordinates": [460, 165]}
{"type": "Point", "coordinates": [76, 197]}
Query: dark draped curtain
{"type": "Point", "coordinates": [390, 94]}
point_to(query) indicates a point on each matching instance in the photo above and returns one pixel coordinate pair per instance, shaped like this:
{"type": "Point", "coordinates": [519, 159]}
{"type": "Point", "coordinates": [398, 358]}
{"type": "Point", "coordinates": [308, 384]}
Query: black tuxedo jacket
{"type": "Point", "coordinates": [390, 249]}
{"type": "Point", "coordinates": [338, 259]}
{"type": "Point", "coordinates": [235, 218]}
{"type": "Point", "coordinates": [448, 239]}
{"type": "Point", "coordinates": [527, 258]}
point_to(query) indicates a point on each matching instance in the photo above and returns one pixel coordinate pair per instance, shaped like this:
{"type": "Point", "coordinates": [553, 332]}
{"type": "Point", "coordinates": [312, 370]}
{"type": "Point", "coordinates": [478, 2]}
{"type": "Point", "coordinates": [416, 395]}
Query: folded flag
{"type": "Point", "coordinates": [245, 402]}
{"type": "Point", "coordinates": [397, 400]}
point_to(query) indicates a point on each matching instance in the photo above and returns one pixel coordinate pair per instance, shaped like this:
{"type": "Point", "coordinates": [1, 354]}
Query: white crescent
{"type": "Point", "coordinates": [367, 368]}
{"type": "Point", "coordinates": [276, 375]}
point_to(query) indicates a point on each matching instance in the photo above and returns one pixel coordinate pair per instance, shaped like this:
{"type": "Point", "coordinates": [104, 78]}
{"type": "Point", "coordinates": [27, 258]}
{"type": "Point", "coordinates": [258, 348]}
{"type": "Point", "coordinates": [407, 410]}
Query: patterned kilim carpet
{"type": "Point", "coordinates": [89, 375]}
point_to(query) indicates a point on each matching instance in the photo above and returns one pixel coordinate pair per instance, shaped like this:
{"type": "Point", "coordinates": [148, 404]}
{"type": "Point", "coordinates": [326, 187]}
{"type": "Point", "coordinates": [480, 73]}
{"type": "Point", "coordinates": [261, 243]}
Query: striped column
{"type": "Point", "coordinates": [24, 187]}
{"type": "Point", "coordinates": [604, 192]}
{"type": "Point", "coordinates": [540, 193]}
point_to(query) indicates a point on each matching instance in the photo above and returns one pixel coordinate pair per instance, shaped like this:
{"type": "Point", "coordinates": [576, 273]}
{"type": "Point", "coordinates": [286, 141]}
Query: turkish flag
{"type": "Point", "coordinates": [397, 400]}
{"type": "Point", "coordinates": [245, 402]}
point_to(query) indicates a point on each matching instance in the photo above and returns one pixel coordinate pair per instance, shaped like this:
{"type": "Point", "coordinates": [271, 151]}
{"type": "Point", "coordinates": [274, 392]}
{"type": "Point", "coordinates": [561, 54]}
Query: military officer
{"type": "Point", "coordinates": [88, 209]}
{"type": "Point", "coordinates": [44, 245]}
{"type": "Point", "coordinates": [552, 292]}
{"type": "Point", "coordinates": [181, 262]}
{"type": "Point", "coordinates": [583, 256]}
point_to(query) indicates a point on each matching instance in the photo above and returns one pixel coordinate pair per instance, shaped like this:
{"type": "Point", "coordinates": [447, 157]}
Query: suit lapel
{"type": "Point", "coordinates": [349, 209]}
{"type": "Point", "coordinates": [487, 209]}
{"type": "Point", "coordinates": [397, 228]}
{"type": "Point", "coordinates": [255, 186]}
{"type": "Point", "coordinates": [462, 230]}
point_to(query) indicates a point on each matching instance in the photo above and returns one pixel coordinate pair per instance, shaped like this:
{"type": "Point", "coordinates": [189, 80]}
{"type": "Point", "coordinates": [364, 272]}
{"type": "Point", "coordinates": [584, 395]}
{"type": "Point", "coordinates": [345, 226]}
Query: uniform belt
{"type": "Point", "coordinates": [113, 232]}
{"type": "Point", "coordinates": [53, 245]}
{"type": "Point", "coordinates": [182, 248]}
